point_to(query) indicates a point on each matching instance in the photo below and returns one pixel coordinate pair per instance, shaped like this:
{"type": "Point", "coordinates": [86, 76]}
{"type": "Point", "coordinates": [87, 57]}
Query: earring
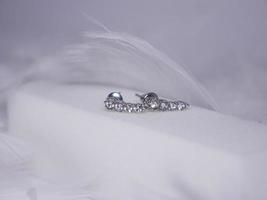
{"type": "Point", "coordinates": [150, 102]}
{"type": "Point", "coordinates": [116, 96]}
{"type": "Point", "coordinates": [115, 102]}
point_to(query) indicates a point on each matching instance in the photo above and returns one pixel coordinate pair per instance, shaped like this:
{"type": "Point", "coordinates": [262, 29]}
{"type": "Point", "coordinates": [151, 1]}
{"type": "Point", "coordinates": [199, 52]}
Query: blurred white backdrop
{"type": "Point", "coordinates": [222, 42]}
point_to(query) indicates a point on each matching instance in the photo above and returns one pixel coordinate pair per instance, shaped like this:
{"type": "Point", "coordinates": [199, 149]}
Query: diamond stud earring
{"type": "Point", "coordinates": [152, 102]}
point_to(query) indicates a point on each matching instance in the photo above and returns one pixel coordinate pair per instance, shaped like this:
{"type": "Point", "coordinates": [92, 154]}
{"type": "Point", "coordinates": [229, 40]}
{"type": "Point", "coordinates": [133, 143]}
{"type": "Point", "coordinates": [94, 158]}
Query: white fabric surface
{"type": "Point", "coordinates": [196, 154]}
{"type": "Point", "coordinates": [104, 58]}
{"type": "Point", "coordinates": [226, 145]}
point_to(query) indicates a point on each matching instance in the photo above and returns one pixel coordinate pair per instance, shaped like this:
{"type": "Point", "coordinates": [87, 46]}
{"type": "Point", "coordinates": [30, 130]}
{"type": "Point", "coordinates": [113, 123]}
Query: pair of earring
{"type": "Point", "coordinates": [149, 102]}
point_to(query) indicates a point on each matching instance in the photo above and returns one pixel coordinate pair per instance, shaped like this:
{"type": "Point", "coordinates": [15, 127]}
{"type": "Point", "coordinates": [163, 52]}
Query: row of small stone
{"type": "Point", "coordinates": [164, 105]}
{"type": "Point", "coordinates": [121, 106]}
{"type": "Point", "coordinates": [172, 105]}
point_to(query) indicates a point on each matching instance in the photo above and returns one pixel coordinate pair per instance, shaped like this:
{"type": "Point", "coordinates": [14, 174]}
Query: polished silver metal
{"type": "Point", "coordinates": [116, 95]}
{"type": "Point", "coordinates": [150, 102]}
{"type": "Point", "coordinates": [115, 102]}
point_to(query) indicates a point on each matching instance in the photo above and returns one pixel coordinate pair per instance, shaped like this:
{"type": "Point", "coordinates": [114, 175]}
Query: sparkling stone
{"type": "Point", "coordinates": [173, 106]}
{"type": "Point", "coordinates": [151, 100]}
{"type": "Point", "coordinates": [164, 105]}
{"type": "Point", "coordinates": [135, 108]}
{"type": "Point", "coordinates": [129, 108]}
{"type": "Point", "coordinates": [181, 105]}
{"type": "Point", "coordinates": [118, 107]}
{"type": "Point", "coordinates": [138, 107]}
{"type": "Point", "coordinates": [141, 108]}
{"type": "Point", "coordinates": [124, 107]}
{"type": "Point", "coordinates": [109, 104]}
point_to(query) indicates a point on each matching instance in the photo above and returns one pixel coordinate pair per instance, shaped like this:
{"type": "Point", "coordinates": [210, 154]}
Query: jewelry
{"type": "Point", "coordinates": [115, 102]}
{"type": "Point", "coordinates": [150, 102]}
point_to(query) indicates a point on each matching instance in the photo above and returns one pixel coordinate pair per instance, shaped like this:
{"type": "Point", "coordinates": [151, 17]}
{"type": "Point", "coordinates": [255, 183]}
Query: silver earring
{"type": "Point", "coordinates": [150, 102]}
{"type": "Point", "coordinates": [115, 102]}
{"type": "Point", "coordinates": [116, 96]}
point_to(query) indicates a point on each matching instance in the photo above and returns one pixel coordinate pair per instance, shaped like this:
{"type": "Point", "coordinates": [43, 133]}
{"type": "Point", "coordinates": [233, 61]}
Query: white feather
{"type": "Point", "coordinates": [104, 58]}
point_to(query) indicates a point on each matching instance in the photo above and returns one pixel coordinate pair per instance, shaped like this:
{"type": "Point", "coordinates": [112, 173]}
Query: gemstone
{"type": "Point", "coordinates": [151, 101]}
{"type": "Point", "coordinates": [181, 105]}
{"type": "Point", "coordinates": [118, 107]}
{"type": "Point", "coordinates": [109, 104]}
{"type": "Point", "coordinates": [173, 106]}
{"type": "Point", "coordinates": [164, 105]}
{"type": "Point", "coordinates": [138, 107]}
{"type": "Point", "coordinates": [129, 108]}
{"type": "Point", "coordinates": [124, 107]}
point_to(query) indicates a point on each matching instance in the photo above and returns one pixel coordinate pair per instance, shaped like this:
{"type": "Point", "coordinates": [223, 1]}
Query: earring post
{"type": "Point", "coordinates": [139, 95]}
